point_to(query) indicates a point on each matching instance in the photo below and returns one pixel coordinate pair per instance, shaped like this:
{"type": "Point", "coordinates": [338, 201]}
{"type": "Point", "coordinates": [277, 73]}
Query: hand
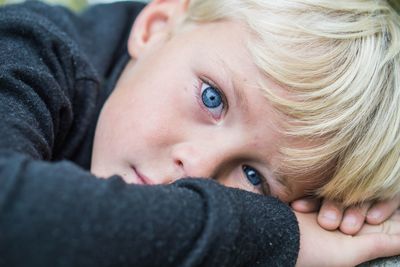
{"type": "Point", "coordinates": [332, 215]}
{"type": "Point", "coordinates": [319, 247]}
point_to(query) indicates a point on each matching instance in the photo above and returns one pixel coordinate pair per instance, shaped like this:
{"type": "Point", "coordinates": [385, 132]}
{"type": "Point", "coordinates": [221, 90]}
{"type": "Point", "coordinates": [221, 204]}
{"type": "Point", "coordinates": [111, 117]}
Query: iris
{"type": "Point", "coordinates": [211, 97]}
{"type": "Point", "coordinates": [252, 175]}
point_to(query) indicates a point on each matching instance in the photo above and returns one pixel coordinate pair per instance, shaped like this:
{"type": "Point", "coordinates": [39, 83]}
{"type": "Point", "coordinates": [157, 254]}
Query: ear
{"type": "Point", "coordinates": [154, 24]}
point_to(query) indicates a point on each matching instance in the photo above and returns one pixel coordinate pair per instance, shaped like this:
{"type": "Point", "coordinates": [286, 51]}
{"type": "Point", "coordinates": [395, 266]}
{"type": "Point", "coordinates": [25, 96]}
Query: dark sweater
{"type": "Point", "coordinates": [56, 70]}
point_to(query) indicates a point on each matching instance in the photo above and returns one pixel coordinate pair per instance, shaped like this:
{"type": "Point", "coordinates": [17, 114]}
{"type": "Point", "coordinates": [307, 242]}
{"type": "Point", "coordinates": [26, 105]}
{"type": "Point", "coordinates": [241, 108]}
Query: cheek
{"type": "Point", "coordinates": [165, 116]}
{"type": "Point", "coordinates": [234, 177]}
{"type": "Point", "coordinates": [148, 121]}
{"type": "Point", "coordinates": [107, 131]}
{"type": "Point", "coordinates": [154, 131]}
{"type": "Point", "coordinates": [143, 115]}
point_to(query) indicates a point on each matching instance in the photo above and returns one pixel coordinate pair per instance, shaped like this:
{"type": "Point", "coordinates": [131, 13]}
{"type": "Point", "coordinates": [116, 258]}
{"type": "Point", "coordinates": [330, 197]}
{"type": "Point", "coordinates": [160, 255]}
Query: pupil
{"type": "Point", "coordinates": [211, 98]}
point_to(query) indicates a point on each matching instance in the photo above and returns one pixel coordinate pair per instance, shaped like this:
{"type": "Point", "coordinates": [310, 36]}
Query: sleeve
{"type": "Point", "coordinates": [47, 87]}
{"type": "Point", "coordinates": [58, 214]}
{"type": "Point", "coordinates": [55, 214]}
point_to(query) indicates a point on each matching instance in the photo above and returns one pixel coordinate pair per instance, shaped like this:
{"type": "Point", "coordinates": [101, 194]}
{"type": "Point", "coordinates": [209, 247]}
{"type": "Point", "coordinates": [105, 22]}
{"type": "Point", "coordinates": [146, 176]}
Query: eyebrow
{"type": "Point", "coordinates": [240, 97]}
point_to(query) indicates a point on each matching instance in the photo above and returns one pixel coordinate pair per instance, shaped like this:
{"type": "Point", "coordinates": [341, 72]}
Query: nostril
{"type": "Point", "coordinates": [179, 163]}
{"type": "Point", "coordinates": [179, 168]}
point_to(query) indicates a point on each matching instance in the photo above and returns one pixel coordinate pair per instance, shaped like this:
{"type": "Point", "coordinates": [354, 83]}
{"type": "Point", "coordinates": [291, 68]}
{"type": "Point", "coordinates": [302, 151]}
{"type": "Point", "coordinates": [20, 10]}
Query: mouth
{"type": "Point", "coordinates": [141, 179]}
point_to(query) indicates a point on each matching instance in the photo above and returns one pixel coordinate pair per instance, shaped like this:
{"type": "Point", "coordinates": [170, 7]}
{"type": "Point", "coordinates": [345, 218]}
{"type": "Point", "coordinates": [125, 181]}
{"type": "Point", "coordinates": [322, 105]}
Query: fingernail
{"type": "Point", "coordinates": [374, 214]}
{"type": "Point", "coordinates": [330, 215]}
{"type": "Point", "coordinates": [303, 203]}
{"type": "Point", "coordinates": [350, 220]}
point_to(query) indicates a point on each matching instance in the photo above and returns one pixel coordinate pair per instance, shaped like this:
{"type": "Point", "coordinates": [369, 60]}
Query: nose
{"type": "Point", "coordinates": [198, 160]}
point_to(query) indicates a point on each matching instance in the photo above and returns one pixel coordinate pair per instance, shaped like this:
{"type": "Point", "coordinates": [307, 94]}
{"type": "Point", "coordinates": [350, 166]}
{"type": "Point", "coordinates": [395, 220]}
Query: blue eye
{"type": "Point", "coordinates": [212, 99]}
{"type": "Point", "coordinates": [252, 175]}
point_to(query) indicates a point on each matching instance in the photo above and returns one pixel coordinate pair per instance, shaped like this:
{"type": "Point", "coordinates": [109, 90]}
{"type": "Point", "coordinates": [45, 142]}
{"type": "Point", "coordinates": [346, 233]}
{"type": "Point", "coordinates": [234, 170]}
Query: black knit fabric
{"type": "Point", "coordinates": [56, 70]}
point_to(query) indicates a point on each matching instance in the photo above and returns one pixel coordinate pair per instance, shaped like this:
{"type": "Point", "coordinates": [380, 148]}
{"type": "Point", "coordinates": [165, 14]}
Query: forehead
{"type": "Point", "coordinates": [224, 37]}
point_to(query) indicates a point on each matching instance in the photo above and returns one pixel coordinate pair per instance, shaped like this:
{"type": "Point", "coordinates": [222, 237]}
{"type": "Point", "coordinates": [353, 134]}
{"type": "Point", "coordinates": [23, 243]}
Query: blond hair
{"type": "Point", "coordinates": [339, 61]}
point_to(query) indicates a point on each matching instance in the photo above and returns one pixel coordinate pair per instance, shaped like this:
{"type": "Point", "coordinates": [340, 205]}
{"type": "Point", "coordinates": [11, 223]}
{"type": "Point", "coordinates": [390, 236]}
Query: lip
{"type": "Point", "coordinates": [142, 179]}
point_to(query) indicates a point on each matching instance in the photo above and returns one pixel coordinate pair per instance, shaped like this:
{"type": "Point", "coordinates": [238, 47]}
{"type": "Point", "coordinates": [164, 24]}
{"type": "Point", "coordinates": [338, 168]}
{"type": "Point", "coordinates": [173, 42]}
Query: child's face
{"type": "Point", "coordinates": [189, 106]}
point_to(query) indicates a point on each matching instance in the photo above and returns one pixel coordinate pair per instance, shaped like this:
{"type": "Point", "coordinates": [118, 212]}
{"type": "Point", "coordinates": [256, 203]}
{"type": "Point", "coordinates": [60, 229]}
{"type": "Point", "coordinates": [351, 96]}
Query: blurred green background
{"type": "Point", "coordinates": [79, 4]}
{"type": "Point", "coordinates": [73, 4]}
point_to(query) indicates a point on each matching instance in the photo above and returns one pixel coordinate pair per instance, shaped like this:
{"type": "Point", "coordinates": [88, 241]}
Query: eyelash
{"type": "Point", "coordinates": [217, 88]}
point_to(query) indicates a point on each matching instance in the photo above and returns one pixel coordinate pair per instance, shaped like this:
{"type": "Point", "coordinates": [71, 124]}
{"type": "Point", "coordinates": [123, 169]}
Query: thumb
{"type": "Point", "coordinates": [372, 246]}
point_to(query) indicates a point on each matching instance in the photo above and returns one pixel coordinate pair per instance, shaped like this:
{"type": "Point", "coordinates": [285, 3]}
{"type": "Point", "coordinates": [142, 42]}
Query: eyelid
{"type": "Point", "coordinates": [265, 187]}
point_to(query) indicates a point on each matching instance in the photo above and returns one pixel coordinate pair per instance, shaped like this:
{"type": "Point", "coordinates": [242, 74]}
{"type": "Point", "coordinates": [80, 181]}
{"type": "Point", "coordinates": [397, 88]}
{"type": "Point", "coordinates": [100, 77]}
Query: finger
{"type": "Point", "coordinates": [382, 210]}
{"type": "Point", "coordinates": [390, 226]}
{"type": "Point", "coordinates": [330, 215]}
{"type": "Point", "coordinates": [306, 205]}
{"type": "Point", "coordinates": [354, 218]}
{"type": "Point", "coordinates": [376, 246]}
{"type": "Point", "coordinates": [375, 241]}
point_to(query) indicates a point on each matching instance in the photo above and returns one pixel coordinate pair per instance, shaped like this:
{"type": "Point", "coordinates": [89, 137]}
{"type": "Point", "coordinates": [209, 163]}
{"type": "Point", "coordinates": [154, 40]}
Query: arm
{"type": "Point", "coordinates": [54, 214]}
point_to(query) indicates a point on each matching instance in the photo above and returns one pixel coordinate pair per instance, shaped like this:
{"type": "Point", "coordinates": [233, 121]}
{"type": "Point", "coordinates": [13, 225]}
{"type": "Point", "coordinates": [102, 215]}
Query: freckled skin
{"type": "Point", "coordinates": [154, 121]}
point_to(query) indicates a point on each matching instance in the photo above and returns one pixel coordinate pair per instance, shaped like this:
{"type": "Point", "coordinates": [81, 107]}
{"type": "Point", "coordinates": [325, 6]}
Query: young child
{"type": "Point", "coordinates": [188, 102]}
{"type": "Point", "coordinates": [313, 136]}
